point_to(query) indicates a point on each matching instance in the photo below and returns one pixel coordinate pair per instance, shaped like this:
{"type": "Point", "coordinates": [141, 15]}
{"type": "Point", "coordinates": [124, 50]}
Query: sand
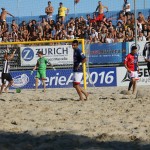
{"type": "Point", "coordinates": [111, 119]}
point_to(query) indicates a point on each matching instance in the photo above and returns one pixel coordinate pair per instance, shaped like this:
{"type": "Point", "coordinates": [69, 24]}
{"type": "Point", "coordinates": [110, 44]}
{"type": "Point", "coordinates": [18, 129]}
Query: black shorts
{"type": "Point", "coordinates": [6, 76]}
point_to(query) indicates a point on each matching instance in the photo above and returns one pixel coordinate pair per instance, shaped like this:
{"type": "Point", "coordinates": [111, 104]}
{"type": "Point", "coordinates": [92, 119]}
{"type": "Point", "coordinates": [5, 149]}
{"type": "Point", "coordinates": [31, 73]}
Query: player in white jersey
{"type": "Point", "coordinates": [6, 71]}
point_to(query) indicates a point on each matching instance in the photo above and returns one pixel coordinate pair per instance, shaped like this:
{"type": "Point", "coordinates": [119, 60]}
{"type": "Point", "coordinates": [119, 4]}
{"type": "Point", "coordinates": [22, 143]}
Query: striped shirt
{"type": "Point", "coordinates": [6, 66]}
{"type": "Point", "coordinates": [146, 51]}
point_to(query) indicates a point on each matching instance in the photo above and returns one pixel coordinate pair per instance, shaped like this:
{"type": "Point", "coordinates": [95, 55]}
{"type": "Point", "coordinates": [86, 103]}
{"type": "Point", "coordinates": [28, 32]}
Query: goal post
{"type": "Point", "coordinates": [54, 43]}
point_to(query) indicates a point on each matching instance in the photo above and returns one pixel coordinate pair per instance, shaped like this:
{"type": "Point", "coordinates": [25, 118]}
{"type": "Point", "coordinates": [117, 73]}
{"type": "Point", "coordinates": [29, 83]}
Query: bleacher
{"type": "Point", "coordinates": [112, 15]}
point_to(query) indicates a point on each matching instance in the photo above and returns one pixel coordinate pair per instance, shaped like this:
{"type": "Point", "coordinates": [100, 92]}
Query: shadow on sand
{"type": "Point", "coordinates": [64, 141]}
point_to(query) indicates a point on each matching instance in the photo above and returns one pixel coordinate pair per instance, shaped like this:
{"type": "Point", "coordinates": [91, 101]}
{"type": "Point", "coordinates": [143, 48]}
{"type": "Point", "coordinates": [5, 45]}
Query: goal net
{"type": "Point", "coordinates": [59, 69]}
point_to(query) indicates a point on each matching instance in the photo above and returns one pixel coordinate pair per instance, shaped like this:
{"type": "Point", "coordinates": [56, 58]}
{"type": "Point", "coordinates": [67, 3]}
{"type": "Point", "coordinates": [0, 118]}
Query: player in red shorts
{"type": "Point", "coordinates": [131, 64]}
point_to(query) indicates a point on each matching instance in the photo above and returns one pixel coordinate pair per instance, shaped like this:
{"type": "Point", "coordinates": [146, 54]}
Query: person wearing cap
{"type": "Point", "coordinates": [62, 12]}
{"type": "Point", "coordinates": [100, 9]}
{"type": "Point", "coordinates": [49, 11]}
{"type": "Point", "coordinates": [41, 70]}
{"type": "Point", "coordinates": [6, 76]}
{"type": "Point", "coordinates": [3, 15]}
{"type": "Point", "coordinates": [131, 64]}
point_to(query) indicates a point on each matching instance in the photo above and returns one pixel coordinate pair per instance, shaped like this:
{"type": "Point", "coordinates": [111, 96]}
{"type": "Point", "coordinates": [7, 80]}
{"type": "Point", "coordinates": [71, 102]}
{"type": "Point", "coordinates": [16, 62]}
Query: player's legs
{"type": "Point", "coordinates": [134, 77]}
{"type": "Point", "coordinates": [37, 80]}
{"type": "Point", "coordinates": [130, 85]}
{"type": "Point", "coordinates": [43, 77]}
{"type": "Point", "coordinates": [76, 85]}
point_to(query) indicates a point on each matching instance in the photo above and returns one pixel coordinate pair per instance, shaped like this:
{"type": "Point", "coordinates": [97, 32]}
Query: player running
{"type": "Point", "coordinates": [6, 72]}
{"type": "Point", "coordinates": [131, 64]}
{"type": "Point", "coordinates": [41, 70]}
{"type": "Point", "coordinates": [79, 58]}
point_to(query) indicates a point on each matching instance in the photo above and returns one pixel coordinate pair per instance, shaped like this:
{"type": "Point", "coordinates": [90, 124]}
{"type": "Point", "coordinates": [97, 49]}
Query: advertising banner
{"type": "Point", "coordinates": [96, 77]}
{"type": "Point", "coordinates": [123, 78]}
{"type": "Point", "coordinates": [140, 48]}
{"type": "Point", "coordinates": [107, 53]}
{"type": "Point", "coordinates": [62, 54]}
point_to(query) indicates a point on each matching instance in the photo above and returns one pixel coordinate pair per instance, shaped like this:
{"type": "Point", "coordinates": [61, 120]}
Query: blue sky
{"type": "Point", "coordinates": [37, 7]}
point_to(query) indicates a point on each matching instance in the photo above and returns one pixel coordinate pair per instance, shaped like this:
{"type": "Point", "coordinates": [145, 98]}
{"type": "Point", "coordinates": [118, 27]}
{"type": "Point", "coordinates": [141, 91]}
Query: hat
{"type": "Point", "coordinates": [61, 3]}
{"type": "Point", "coordinates": [40, 52]}
{"type": "Point", "coordinates": [3, 8]}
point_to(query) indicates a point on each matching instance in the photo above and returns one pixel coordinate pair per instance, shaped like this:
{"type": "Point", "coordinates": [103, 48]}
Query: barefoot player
{"type": "Point", "coordinates": [131, 64]}
{"type": "Point", "coordinates": [79, 58]}
{"type": "Point", "coordinates": [6, 71]}
{"type": "Point", "coordinates": [41, 70]}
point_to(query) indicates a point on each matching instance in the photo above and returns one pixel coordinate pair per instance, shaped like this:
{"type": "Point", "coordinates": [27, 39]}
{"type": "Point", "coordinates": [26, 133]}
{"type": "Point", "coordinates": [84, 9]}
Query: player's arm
{"type": "Point", "coordinates": [12, 55]}
{"type": "Point", "coordinates": [125, 64]}
{"type": "Point", "coordinates": [36, 66]}
{"type": "Point", "coordinates": [106, 8]}
{"type": "Point", "coordinates": [67, 11]}
{"type": "Point", "coordinates": [46, 10]}
{"type": "Point", "coordinates": [10, 14]}
{"type": "Point", "coordinates": [97, 8]}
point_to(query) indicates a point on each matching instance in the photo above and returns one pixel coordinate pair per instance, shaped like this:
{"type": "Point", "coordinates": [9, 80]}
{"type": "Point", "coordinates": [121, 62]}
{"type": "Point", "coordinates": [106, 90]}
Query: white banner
{"type": "Point", "coordinates": [123, 78]}
{"type": "Point", "coordinates": [57, 55]}
{"type": "Point", "coordinates": [140, 47]}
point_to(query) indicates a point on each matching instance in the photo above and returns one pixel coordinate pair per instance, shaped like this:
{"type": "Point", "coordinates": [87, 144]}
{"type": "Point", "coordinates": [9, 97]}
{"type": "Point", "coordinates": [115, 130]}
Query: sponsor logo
{"type": "Point", "coordinates": [20, 81]}
{"type": "Point", "coordinates": [126, 77]}
{"type": "Point", "coordinates": [27, 54]}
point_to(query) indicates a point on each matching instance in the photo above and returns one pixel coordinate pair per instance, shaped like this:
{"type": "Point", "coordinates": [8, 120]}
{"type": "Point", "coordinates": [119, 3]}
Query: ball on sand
{"type": "Point", "coordinates": [18, 90]}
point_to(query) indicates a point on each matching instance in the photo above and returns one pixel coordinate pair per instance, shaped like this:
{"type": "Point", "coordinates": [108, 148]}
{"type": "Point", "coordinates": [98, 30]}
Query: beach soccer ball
{"type": "Point", "coordinates": [18, 90]}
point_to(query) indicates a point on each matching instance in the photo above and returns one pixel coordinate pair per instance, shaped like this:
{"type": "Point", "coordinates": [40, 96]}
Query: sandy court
{"type": "Point", "coordinates": [111, 119]}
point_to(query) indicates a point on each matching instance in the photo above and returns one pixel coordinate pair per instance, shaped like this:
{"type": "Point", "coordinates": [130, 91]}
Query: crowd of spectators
{"type": "Point", "coordinates": [89, 28]}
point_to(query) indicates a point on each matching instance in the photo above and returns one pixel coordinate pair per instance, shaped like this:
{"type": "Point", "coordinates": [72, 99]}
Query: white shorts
{"type": "Point", "coordinates": [77, 77]}
{"type": "Point", "coordinates": [134, 74]}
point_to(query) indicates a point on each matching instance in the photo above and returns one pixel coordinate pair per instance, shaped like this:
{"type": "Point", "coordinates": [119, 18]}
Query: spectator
{"type": "Point", "coordinates": [148, 37]}
{"type": "Point", "coordinates": [62, 12]}
{"type": "Point", "coordinates": [141, 18]}
{"type": "Point", "coordinates": [93, 36]}
{"type": "Point", "coordinates": [141, 37]}
{"type": "Point", "coordinates": [3, 15]}
{"type": "Point", "coordinates": [100, 9]}
{"type": "Point", "coordinates": [14, 24]}
{"type": "Point", "coordinates": [145, 30]}
{"type": "Point", "coordinates": [126, 8]}
{"type": "Point", "coordinates": [109, 38]}
{"type": "Point", "coordinates": [49, 11]}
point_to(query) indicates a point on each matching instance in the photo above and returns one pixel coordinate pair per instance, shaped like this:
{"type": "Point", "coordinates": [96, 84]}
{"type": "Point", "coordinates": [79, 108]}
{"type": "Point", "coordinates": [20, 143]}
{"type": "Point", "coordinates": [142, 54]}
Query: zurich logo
{"type": "Point", "coordinates": [27, 54]}
{"type": "Point", "coordinates": [20, 81]}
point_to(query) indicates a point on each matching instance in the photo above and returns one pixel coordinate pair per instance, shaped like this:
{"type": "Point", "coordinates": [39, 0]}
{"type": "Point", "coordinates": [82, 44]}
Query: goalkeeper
{"type": "Point", "coordinates": [41, 70]}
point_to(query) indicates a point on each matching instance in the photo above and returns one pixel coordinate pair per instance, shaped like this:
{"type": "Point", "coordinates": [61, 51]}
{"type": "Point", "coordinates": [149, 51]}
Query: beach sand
{"type": "Point", "coordinates": [111, 119]}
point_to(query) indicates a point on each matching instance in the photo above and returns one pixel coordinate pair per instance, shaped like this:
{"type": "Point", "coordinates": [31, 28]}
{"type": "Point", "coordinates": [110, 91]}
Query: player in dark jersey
{"type": "Point", "coordinates": [78, 59]}
{"type": "Point", "coordinates": [131, 64]}
{"type": "Point", "coordinates": [147, 55]}
{"type": "Point", "coordinates": [6, 71]}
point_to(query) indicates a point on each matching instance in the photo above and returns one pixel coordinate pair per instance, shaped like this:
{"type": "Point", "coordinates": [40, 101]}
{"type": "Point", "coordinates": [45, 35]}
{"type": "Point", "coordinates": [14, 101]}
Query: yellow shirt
{"type": "Point", "coordinates": [61, 11]}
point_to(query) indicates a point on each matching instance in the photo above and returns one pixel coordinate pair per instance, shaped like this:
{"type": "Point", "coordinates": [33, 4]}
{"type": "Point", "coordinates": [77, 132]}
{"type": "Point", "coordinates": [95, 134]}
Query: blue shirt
{"type": "Point", "coordinates": [78, 57]}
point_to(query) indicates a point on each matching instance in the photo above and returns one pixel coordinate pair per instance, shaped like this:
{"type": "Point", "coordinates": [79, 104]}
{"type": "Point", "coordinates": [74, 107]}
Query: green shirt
{"type": "Point", "coordinates": [42, 63]}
